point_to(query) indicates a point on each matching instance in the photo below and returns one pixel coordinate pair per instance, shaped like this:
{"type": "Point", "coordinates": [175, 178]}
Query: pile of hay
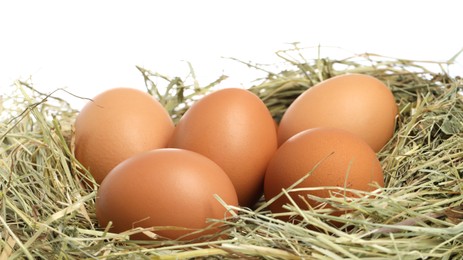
{"type": "Point", "coordinates": [46, 214]}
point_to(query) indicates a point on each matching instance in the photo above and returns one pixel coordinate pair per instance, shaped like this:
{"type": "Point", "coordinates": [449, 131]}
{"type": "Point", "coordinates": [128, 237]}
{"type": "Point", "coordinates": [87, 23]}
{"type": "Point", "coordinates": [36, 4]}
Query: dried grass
{"type": "Point", "coordinates": [46, 214]}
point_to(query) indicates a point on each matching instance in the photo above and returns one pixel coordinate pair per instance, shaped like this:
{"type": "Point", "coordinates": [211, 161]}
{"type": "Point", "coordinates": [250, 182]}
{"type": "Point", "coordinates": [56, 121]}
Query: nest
{"type": "Point", "coordinates": [45, 213]}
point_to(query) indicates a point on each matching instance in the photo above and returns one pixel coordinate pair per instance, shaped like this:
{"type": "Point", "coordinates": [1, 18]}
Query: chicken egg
{"type": "Point", "coordinates": [117, 124]}
{"type": "Point", "coordinates": [326, 158]}
{"type": "Point", "coordinates": [170, 190]}
{"type": "Point", "coordinates": [357, 103]}
{"type": "Point", "coordinates": [235, 129]}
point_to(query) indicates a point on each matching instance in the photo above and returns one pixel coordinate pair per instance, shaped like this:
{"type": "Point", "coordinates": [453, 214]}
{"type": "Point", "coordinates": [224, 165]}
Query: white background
{"type": "Point", "coordinates": [90, 46]}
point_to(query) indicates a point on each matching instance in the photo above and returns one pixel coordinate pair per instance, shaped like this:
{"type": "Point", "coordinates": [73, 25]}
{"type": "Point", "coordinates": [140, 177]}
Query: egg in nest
{"type": "Point", "coordinates": [327, 162]}
{"type": "Point", "coordinates": [117, 124]}
{"type": "Point", "coordinates": [360, 104]}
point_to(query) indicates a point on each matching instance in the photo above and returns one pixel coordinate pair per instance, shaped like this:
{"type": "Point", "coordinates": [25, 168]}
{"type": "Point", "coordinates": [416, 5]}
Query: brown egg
{"type": "Point", "coordinates": [357, 103]}
{"type": "Point", "coordinates": [165, 188]}
{"type": "Point", "coordinates": [117, 124]}
{"type": "Point", "coordinates": [338, 159]}
{"type": "Point", "coordinates": [234, 128]}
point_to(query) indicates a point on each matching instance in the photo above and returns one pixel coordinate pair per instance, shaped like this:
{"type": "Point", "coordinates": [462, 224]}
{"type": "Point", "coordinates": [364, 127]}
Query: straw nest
{"type": "Point", "coordinates": [46, 214]}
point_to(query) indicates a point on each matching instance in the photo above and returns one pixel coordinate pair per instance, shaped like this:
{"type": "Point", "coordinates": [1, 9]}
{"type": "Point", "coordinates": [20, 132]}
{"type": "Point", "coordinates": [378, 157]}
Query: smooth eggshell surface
{"type": "Point", "coordinates": [117, 124]}
{"type": "Point", "coordinates": [360, 104]}
{"type": "Point", "coordinates": [162, 188]}
{"type": "Point", "coordinates": [234, 128]}
{"type": "Point", "coordinates": [337, 158]}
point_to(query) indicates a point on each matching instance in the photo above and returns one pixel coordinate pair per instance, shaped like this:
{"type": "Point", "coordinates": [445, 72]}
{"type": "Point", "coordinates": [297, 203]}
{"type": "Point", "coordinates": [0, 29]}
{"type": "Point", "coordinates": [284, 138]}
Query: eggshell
{"type": "Point", "coordinates": [357, 103]}
{"type": "Point", "coordinates": [164, 188]}
{"type": "Point", "coordinates": [332, 157]}
{"type": "Point", "coordinates": [234, 128]}
{"type": "Point", "coordinates": [117, 124]}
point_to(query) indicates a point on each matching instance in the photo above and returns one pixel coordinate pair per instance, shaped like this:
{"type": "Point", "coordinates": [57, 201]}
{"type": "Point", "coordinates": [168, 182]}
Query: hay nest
{"type": "Point", "coordinates": [46, 214]}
